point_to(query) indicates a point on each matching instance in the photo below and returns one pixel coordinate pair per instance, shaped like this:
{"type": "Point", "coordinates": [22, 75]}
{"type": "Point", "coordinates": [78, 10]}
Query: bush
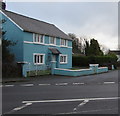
{"type": "Point", "coordinates": [83, 61]}
{"type": "Point", "coordinates": [10, 70]}
{"type": "Point", "coordinates": [118, 64]}
{"type": "Point", "coordinates": [39, 73]}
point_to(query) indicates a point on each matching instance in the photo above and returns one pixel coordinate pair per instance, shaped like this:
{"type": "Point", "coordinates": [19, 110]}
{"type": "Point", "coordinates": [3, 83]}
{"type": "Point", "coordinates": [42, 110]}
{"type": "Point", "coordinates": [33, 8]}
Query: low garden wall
{"type": "Point", "coordinates": [94, 69]}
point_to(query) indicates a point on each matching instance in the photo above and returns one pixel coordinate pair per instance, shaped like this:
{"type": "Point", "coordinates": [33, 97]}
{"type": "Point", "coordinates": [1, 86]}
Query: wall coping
{"type": "Point", "coordinates": [71, 70]}
{"type": "Point", "coordinates": [93, 64]}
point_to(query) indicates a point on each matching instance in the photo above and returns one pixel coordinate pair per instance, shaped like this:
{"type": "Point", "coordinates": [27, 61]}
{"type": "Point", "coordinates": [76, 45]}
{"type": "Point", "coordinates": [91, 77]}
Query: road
{"type": "Point", "coordinates": [93, 94]}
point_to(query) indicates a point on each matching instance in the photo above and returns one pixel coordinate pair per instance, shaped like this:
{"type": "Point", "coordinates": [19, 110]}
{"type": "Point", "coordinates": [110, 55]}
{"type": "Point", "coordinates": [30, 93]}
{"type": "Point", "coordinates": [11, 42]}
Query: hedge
{"type": "Point", "coordinates": [11, 70]}
{"type": "Point", "coordinates": [84, 61]}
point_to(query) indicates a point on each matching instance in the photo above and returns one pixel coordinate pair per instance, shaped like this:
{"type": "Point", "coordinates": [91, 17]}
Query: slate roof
{"type": "Point", "coordinates": [36, 26]}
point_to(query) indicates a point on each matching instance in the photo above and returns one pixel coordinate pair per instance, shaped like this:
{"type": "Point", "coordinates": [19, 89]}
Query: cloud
{"type": "Point", "coordinates": [92, 19]}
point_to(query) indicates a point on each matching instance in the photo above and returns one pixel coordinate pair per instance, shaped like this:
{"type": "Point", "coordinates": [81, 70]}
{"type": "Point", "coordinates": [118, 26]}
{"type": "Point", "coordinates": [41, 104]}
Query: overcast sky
{"type": "Point", "coordinates": [97, 20]}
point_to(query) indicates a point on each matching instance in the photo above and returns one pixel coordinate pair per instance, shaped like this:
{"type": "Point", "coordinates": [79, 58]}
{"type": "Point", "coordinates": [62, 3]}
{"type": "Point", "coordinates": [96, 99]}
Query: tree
{"type": "Point", "coordinates": [7, 56]}
{"type": "Point", "coordinates": [9, 67]}
{"type": "Point", "coordinates": [87, 47]}
{"type": "Point", "coordinates": [93, 49]}
{"type": "Point", "coordinates": [75, 43]}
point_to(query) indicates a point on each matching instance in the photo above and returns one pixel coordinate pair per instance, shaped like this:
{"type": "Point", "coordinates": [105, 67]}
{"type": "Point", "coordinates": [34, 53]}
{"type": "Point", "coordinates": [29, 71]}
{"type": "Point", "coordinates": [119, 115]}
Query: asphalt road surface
{"type": "Point", "coordinates": [57, 95]}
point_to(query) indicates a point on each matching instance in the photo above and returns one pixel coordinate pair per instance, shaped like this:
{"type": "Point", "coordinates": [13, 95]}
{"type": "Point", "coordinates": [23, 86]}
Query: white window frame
{"type": "Point", "coordinates": [38, 41]}
{"type": "Point", "coordinates": [63, 45]}
{"type": "Point", "coordinates": [39, 54]}
{"type": "Point", "coordinates": [66, 58]}
{"type": "Point", "coordinates": [50, 40]}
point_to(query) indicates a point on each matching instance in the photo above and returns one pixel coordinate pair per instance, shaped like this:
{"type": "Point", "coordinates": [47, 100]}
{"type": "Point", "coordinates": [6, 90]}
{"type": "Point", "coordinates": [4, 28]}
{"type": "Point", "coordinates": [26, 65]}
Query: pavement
{"type": "Point", "coordinates": [60, 95]}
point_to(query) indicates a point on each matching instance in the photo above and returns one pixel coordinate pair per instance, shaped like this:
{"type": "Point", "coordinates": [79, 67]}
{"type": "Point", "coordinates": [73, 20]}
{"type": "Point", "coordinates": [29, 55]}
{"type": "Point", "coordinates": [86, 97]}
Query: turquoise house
{"type": "Point", "coordinates": [38, 44]}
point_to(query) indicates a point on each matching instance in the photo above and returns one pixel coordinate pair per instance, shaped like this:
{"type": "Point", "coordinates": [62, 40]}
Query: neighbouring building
{"type": "Point", "coordinates": [117, 52]}
{"type": "Point", "coordinates": [37, 43]}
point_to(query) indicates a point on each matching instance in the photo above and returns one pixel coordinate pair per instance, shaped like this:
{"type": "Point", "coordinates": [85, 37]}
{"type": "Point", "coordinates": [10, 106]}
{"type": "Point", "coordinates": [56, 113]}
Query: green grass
{"type": "Point", "coordinates": [38, 73]}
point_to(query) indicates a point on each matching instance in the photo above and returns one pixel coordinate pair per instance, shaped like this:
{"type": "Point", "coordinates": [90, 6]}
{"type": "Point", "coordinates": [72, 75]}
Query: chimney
{"type": "Point", "coordinates": [2, 5]}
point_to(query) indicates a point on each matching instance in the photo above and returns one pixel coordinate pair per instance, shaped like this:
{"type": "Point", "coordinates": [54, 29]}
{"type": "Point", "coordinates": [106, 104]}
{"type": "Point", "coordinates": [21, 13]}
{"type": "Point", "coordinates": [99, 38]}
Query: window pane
{"type": "Point", "coordinates": [35, 58]}
{"type": "Point", "coordinates": [64, 58]}
{"type": "Point", "coordinates": [38, 59]}
{"type": "Point", "coordinates": [52, 40]}
{"type": "Point", "coordinates": [65, 42]}
{"type": "Point", "coordinates": [34, 37]}
{"type": "Point", "coordinates": [41, 58]}
{"type": "Point", "coordinates": [61, 59]}
{"type": "Point", "coordinates": [41, 39]}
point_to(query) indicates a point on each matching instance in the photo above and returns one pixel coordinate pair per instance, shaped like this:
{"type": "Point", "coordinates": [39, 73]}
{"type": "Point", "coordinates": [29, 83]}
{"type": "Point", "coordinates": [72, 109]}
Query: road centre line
{"type": "Point", "coordinates": [43, 84]}
{"type": "Point", "coordinates": [61, 84]}
{"type": "Point", "coordinates": [109, 82]}
{"type": "Point", "coordinates": [27, 85]}
{"type": "Point", "coordinates": [78, 83]}
{"type": "Point", "coordinates": [70, 100]}
{"type": "Point", "coordinates": [8, 85]}
{"type": "Point", "coordinates": [57, 84]}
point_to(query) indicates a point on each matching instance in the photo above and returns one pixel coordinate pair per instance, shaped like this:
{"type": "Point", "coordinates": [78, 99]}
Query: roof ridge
{"type": "Point", "coordinates": [28, 17]}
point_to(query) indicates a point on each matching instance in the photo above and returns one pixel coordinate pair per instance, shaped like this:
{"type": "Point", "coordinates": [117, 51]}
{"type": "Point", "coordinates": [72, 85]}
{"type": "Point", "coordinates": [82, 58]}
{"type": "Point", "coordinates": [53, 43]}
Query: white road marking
{"type": "Point", "coordinates": [43, 84]}
{"type": "Point", "coordinates": [70, 100]}
{"type": "Point", "coordinates": [109, 82]}
{"type": "Point", "coordinates": [18, 108]}
{"type": "Point", "coordinates": [61, 83]}
{"type": "Point", "coordinates": [27, 85]}
{"type": "Point", "coordinates": [21, 107]}
{"type": "Point", "coordinates": [8, 85]}
{"type": "Point", "coordinates": [78, 83]}
{"type": "Point", "coordinates": [81, 104]}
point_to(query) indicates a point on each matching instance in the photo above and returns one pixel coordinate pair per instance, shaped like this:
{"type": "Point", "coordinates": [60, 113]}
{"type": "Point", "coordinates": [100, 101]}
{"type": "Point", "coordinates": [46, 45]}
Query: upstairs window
{"type": "Point", "coordinates": [64, 42]}
{"type": "Point", "coordinates": [63, 59]}
{"type": "Point", "coordinates": [52, 40]}
{"type": "Point", "coordinates": [38, 38]}
{"type": "Point", "coordinates": [39, 58]}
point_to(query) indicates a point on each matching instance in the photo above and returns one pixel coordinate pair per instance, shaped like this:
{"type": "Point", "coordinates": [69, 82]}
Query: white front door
{"type": "Point", "coordinates": [53, 57]}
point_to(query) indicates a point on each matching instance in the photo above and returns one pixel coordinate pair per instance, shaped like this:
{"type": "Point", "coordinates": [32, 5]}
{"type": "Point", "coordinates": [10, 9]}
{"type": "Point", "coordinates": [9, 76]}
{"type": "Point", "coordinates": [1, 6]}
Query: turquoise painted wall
{"type": "Point", "coordinates": [14, 34]}
{"type": "Point", "coordinates": [24, 51]}
{"type": "Point", "coordinates": [81, 72]}
{"type": "Point", "coordinates": [31, 48]}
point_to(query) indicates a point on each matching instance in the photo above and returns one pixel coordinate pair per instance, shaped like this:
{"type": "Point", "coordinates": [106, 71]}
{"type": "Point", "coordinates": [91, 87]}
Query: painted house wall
{"type": "Point", "coordinates": [14, 34]}
{"type": "Point", "coordinates": [30, 48]}
{"type": "Point", "coordinates": [25, 48]}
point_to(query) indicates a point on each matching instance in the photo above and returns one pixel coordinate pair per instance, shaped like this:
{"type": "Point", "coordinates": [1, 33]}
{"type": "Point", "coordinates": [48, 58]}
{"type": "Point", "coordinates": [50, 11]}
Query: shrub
{"type": "Point", "coordinates": [10, 70]}
{"type": "Point", "coordinates": [39, 73]}
{"type": "Point", "coordinates": [82, 61]}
